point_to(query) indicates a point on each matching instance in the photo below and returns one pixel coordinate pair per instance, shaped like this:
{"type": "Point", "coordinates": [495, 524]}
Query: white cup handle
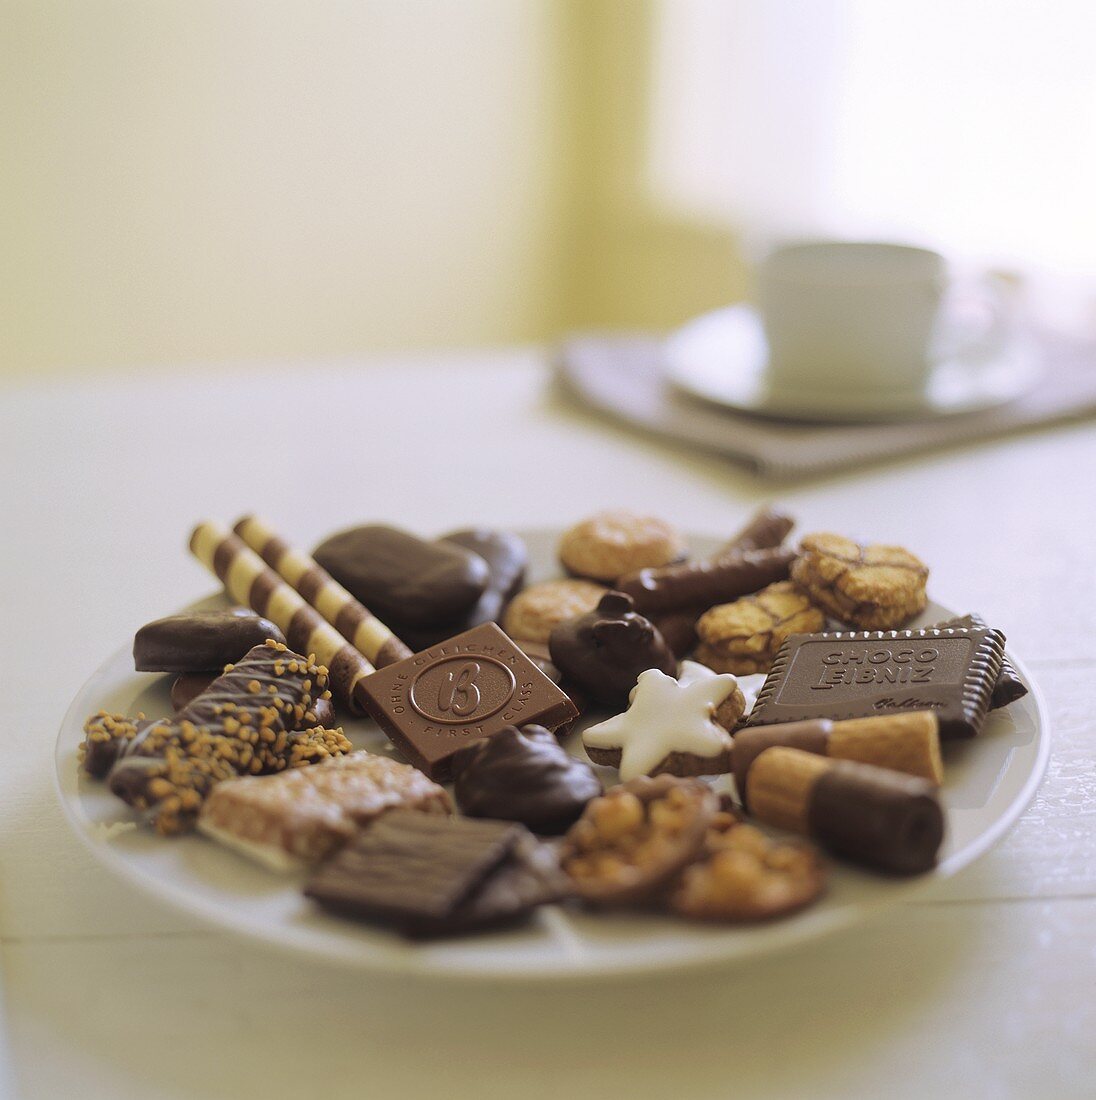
{"type": "Point", "coordinates": [978, 314]}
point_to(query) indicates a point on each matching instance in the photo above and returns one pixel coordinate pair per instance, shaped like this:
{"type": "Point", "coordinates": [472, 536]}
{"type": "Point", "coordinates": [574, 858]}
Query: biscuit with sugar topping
{"type": "Point", "coordinates": [872, 586]}
{"type": "Point", "coordinates": [742, 637]}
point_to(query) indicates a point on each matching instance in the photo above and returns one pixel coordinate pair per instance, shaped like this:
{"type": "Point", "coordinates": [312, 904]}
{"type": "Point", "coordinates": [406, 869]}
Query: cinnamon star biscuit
{"type": "Point", "coordinates": [669, 727]}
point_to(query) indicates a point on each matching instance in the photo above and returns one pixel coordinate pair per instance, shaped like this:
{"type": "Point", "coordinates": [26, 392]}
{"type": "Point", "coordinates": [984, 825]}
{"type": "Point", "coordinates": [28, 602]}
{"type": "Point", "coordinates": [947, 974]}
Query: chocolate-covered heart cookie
{"type": "Point", "coordinates": [404, 579]}
{"type": "Point", "coordinates": [524, 775]}
{"type": "Point", "coordinates": [605, 650]}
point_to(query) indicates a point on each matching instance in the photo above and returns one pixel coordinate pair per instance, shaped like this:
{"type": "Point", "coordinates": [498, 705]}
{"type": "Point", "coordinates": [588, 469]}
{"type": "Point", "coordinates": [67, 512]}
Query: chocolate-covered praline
{"type": "Point", "coordinates": [605, 650]}
{"type": "Point", "coordinates": [524, 775]}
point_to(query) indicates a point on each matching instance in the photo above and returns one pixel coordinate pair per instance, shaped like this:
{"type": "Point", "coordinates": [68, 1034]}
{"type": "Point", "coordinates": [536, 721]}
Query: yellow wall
{"type": "Point", "coordinates": [214, 179]}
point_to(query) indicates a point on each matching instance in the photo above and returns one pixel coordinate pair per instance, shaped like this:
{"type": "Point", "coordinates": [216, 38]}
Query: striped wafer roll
{"type": "Point", "coordinates": [246, 578]}
{"type": "Point", "coordinates": [353, 620]}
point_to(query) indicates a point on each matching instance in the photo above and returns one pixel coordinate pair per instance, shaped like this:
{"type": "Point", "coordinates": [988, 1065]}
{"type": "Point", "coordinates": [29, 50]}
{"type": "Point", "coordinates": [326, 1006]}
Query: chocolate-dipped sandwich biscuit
{"type": "Point", "coordinates": [605, 650]}
{"type": "Point", "coordinates": [199, 641]}
{"type": "Point", "coordinates": [524, 775]}
{"type": "Point", "coordinates": [874, 816]}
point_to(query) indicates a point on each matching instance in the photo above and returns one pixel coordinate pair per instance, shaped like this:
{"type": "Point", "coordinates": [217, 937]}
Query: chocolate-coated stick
{"type": "Point", "coordinates": [766, 529]}
{"type": "Point", "coordinates": [704, 583]}
{"type": "Point", "coordinates": [874, 816]}
{"type": "Point", "coordinates": [907, 742]}
{"type": "Point", "coordinates": [353, 620]}
{"type": "Point", "coordinates": [248, 579]}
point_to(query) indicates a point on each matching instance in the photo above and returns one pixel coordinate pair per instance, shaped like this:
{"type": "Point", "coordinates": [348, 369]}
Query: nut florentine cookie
{"type": "Point", "coordinates": [631, 842]}
{"type": "Point", "coordinates": [610, 544]}
{"type": "Point", "coordinates": [534, 613]}
{"type": "Point", "coordinates": [296, 817]}
{"type": "Point", "coordinates": [874, 587]}
{"type": "Point", "coordinates": [742, 637]}
{"type": "Point", "coordinates": [742, 875]}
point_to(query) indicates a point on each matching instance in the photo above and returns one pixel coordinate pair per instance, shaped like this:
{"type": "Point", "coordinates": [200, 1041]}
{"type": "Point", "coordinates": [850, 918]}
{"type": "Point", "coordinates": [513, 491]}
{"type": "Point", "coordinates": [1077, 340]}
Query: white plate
{"type": "Point", "coordinates": [989, 782]}
{"type": "Point", "coordinates": [720, 357]}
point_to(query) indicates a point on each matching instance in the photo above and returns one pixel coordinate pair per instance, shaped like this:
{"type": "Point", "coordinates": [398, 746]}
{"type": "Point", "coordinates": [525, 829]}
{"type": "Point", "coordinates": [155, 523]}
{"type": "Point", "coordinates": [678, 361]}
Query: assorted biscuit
{"type": "Point", "coordinates": [475, 677]}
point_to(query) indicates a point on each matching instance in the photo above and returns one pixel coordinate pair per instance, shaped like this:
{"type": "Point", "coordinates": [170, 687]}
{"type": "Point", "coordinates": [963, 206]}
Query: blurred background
{"type": "Point", "coordinates": [221, 180]}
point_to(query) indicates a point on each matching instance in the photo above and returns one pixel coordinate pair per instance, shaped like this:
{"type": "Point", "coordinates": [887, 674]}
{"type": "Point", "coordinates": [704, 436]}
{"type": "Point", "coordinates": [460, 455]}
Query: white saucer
{"type": "Point", "coordinates": [721, 357]}
{"type": "Point", "coordinates": [989, 782]}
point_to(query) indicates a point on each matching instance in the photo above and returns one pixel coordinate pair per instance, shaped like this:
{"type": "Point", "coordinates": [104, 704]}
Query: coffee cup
{"type": "Point", "coordinates": [851, 317]}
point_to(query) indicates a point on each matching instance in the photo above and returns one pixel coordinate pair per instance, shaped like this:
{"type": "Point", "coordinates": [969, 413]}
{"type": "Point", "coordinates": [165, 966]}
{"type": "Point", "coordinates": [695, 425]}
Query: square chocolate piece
{"type": "Point", "coordinates": [951, 671]}
{"type": "Point", "coordinates": [433, 704]}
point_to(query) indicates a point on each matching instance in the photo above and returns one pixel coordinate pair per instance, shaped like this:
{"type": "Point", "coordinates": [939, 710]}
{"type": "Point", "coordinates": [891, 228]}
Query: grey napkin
{"type": "Point", "coordinates": [622, 376]}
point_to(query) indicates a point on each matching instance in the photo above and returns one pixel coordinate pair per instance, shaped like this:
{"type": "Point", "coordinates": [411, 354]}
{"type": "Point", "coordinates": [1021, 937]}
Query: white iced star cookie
{"type": "Point", "coordinates": [729, 713]}
{"type": "Point", "coordinates": [669, 727]}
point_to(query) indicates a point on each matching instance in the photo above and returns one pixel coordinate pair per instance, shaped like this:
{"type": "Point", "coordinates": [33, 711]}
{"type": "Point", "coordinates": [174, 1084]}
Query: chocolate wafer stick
{"type": "Point", "coordinates": [353, 620]}
{"type": "Point", "coordinates": [247, 578]}
{"type": "Point", "coordinates": [908, 742]}
{"type": "Point", "coordinates": [871, 815]}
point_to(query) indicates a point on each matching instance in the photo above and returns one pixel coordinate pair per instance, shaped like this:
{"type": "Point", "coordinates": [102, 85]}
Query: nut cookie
{"type": "Point", "coordinates": [742, 875]}
{"type": "Point", "coordinates": [635, 839]}
{"type": "Point", "coordinates": [610, 544]}
{"type": "Point", "coordinates": [873, 587]}
{"type": "Point", "coordinates": [742, 637]}
{"type": "Point", "coordinates": [532, 615]}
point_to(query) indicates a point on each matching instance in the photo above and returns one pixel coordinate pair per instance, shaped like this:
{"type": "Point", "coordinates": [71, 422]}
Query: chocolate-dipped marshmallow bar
{"type": "Point", "coordinates": [874, 816]}
{"type": "Point", "coordinates": [353, 620]}
{"type": "Point", "coordinates": [907, 743]}
{"type": "Point", "coordinates": [248, 579]}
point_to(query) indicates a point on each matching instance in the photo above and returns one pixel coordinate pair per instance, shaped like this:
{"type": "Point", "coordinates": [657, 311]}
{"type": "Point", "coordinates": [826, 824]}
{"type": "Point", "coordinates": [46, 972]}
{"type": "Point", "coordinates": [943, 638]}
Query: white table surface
{"type": "Point", "coordinates": [986, 989]}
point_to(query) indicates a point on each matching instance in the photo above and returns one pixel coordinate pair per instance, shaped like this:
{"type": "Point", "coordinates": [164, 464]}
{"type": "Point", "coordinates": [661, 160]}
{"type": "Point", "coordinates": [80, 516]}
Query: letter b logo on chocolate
{"type": "Point", "coordinates": [459, 691]}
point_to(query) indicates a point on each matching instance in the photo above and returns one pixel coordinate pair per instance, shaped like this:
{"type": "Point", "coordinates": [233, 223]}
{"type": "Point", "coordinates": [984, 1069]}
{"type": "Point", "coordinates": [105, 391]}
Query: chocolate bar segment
{"type": "Point", "coordinates": [469, 687]}
{"type": "Point", "coordinates": [950, 671]}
